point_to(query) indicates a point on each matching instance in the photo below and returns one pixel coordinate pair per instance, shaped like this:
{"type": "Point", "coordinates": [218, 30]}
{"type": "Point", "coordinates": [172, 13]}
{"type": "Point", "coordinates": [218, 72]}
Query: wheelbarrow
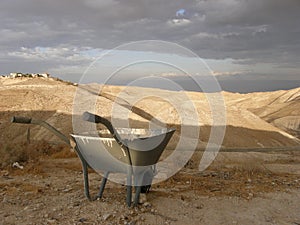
{"type": "Point", "coordinates": [130, 151]}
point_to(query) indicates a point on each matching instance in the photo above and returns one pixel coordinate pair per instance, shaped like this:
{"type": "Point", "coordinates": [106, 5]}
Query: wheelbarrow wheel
{"type": "Point", "coordinates": [146, 188]}
{"type": "Point", "coordinates": [147, 179]}
{"type": "Point", "coordinates": [140, 188]}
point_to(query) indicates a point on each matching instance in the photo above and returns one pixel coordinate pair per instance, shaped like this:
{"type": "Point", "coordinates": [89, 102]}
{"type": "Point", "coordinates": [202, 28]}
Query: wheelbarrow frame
{"type": "Point", "coordinates": [138, 179]}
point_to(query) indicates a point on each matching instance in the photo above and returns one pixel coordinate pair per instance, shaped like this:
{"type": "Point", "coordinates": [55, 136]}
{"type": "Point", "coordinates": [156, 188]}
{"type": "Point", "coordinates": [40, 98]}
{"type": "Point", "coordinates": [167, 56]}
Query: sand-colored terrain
{"type": "Point", "coordinates": [257, 119]}
{"type": "Point", "coordinates": [240, 187]}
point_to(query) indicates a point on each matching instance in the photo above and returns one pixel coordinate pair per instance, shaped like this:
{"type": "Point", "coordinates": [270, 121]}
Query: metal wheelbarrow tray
{"type": "Point", "coordinates": [130, 151]}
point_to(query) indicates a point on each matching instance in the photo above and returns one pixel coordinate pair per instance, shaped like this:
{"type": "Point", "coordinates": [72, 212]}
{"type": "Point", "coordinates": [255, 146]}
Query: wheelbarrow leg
{"type": "Point", "coordinates": [85, 174]}
{"type": "Point", "coordinates": [129, 186]}
{"type": "Point", "coordinates": [137, 195]}
{"type": "Point", "coordinates": [103, 183]}
{"type": "Point", "coordinates": [143, 183]}
{"type": "Point", "coordinates": [138, 182]}
{"type": "Point", "coordinates": [86, 179]}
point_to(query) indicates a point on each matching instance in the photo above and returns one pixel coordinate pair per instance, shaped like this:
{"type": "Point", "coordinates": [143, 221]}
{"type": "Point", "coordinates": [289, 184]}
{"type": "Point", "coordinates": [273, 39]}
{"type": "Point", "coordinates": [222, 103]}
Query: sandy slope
{"type": "Point", "coordinates": [253, 120]}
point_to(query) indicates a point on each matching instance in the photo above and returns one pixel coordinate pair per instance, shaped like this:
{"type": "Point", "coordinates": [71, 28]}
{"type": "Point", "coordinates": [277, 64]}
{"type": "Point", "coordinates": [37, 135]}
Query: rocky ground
{"type": "Point", "coordinates": [244, 188]}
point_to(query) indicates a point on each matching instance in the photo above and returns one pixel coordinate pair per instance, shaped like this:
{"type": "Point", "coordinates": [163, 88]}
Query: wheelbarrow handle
{"type": "Point", "coordinates": [92, 117]}
{"type": "Point", "coordinates": [28, 120]}
{"type": "Point", "coordinates": [98, 119]}
{"type": "Point", "coordinates": [20, 119]}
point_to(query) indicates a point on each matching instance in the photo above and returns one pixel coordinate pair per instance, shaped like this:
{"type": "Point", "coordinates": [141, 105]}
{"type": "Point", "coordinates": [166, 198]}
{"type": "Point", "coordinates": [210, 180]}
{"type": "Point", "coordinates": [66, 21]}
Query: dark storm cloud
{"type": "Point", "coordinates": [258, 30]}
{"type": "Point", "coordinates": [255, 31]}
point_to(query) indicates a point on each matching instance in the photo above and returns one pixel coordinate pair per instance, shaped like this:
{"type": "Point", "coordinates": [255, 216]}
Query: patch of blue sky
{"type": "Point", "coordinates": [180, 13]}
{"type": "Point", "coordinates": [92, 52]}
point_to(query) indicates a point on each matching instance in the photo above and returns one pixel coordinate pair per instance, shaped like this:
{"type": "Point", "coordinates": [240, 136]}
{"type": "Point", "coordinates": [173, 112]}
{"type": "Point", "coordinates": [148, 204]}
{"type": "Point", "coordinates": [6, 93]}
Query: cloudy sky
{"type": "Point", "coordinates": [257, 39]}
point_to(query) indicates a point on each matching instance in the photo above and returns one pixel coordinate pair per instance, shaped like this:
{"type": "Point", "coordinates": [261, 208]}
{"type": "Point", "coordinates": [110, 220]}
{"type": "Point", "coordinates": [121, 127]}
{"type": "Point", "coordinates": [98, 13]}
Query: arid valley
{"type": "Point", "coordinates": [254, 179]}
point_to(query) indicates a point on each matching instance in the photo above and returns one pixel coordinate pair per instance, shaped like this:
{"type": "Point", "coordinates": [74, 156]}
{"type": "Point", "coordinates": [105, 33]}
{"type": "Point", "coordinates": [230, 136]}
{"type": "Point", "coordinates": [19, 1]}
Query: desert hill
{"type": "Point", "coordinates": [49, 176]}
{"type": "Point", "coordinates": [255, 120]}
{"type": "Point", "coordinates": [279, 108]}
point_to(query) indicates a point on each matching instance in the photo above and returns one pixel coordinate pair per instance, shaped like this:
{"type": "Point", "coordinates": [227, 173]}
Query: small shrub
{"type": "Point", "coordinates": [24, 152]}
{"type": "Point", "coordinates": [12, 153]}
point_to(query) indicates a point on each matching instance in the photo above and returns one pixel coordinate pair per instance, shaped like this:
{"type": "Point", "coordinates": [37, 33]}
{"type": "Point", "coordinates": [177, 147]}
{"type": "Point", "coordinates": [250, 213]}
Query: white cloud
{"type": "Point", "coordinates": [59, 53]}
{"type": "Point", "coordinates": [213, 36]}
{"type": "Point", "coordinates": [9, 35]}
{"type": "Point", "coordinates": [226, 73]}
{"type": "Point", "coordinates": [200, 17]}
{"type": "Point", "coordinates": [206, 35]}
{"type": "Point", "coordinates": [169, 74]}
{"type": "Point", "coordinates": [259, 29]}
{"type": "Point", "coordinates": [178, 22]}
{"type": "Point", "coordinates": [135, 23]}
{"type": "Point", "coordinates": [68, 70]}
{"type": "Point", "coordinates": [100, 4]}
{"type": "Point", "coordinates": [229, 34]}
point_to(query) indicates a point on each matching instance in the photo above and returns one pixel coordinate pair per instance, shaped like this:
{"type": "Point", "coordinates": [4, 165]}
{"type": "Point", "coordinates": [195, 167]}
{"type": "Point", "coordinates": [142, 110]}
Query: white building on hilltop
{"type": "Point", "coordinates": [14, 75]}
{"type": "Point", "coordinates": [46, 75]}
